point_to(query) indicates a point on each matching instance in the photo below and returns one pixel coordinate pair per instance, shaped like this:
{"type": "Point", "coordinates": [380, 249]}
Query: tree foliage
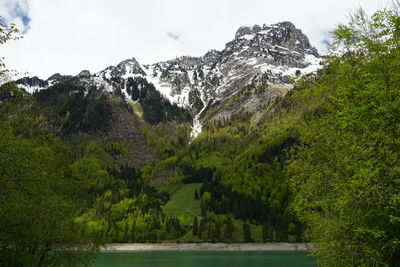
{"type": "Point", "coordinates": [7, 33]}
{"type": "Point", "coordinates": [345, 171]}
{"type": "Point", "coordinates": [39, 198]}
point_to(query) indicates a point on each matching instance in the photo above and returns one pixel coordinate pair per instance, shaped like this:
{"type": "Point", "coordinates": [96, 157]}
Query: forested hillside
{"type": "Point", "coordinates": [82, 166]}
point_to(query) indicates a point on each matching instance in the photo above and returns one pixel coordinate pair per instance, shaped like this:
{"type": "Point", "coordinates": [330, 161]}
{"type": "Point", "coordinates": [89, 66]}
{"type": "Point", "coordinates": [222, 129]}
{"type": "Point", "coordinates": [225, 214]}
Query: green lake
{"type": "Point", "coordinates": [204, 258]}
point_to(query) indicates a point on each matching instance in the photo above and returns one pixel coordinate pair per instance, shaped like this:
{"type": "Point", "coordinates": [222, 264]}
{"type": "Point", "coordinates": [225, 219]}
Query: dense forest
{"type": "Point", "coordinates": [320, 165]}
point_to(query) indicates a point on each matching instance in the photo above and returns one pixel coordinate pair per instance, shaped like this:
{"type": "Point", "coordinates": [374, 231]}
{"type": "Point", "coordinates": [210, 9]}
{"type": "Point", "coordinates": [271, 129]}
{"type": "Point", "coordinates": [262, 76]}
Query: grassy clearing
{"type": "Point", "coordinates": [182, 202]}
{"type": "Point", "coordinates": [137, 108]}
{"type": "Point", "coordinates": [184, 206]}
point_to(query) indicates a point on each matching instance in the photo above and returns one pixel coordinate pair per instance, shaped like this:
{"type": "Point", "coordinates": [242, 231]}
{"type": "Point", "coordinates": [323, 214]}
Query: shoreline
{"type": "Point", "coordinates": [209, 247]}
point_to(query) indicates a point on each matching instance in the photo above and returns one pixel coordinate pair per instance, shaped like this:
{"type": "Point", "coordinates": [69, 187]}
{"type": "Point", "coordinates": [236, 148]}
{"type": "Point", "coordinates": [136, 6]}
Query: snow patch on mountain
{"type": "Point", "coordinates": [196, 128]}
{"type": "Point", "coordinates": [274, 53]}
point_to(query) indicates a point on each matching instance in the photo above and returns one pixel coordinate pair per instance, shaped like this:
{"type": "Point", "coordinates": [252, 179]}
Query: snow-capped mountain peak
{"type": "Point", "coordinates": [272, 54]}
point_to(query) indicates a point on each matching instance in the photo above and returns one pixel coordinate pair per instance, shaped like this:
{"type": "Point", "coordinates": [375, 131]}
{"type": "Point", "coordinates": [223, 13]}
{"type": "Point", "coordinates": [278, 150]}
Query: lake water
{"type": "Point", "coordinates": [204, 258]}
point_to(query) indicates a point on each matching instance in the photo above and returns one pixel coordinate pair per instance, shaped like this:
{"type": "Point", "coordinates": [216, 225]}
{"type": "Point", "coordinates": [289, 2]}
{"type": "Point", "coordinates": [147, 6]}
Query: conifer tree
{"type": "Point", "coordinates": [195, 226]}
{"type": "Point", "coordinates": [246, 233]}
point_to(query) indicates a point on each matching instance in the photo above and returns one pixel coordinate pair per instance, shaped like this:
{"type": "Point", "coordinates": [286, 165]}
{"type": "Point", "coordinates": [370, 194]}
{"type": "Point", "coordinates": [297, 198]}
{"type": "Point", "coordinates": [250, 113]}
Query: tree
{"type": "Point", "coordinates": [7, 33]}
{"type": "Point", "coordinates": [265, 233]}
{"type": "Point", "coordinates": [211, 232]}
{"type": "Point", "coordinates": [133, 232]}
{"type": "Point", "coordinates": [217, 234]}
{"type": "Point", "coordinates": [39, 196]}
{"type": "Point", "coordinates": [228, 229]}
{"type": "Point", "coordinates": [195, 226]}
{"type": "Point", "coordinates": [246, 233]}
{"type": "Point", "coordinates": [39, 204]}
{"type": "Point", "coordinates": [345, 173]}
{"type": "Point", "coordinates": [202, 228]}
{"type": "Point", "coordinates": [126, 232]}
{"type": "Point", "coordinates": [205, 203]}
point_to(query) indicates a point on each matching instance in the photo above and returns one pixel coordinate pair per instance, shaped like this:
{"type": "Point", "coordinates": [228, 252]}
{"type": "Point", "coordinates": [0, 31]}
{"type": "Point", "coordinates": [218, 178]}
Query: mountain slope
{"type": "Point", "coordinates": [269, 55]}
{"type": "Point", "coordinates": [127, 126]}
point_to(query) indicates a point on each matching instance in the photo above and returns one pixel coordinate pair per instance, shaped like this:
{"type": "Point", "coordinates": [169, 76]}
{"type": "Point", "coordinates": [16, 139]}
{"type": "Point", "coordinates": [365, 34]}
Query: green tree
{"type": "Point", "coordinates": [217, 234]}
{"type": "Point", "coordinates": [126, 232]}
{"type": "Point", "coordinates": [133, 232]}
{"type": "Point", "coordinates": [195, 226]}
{"type": "Point", "coordinates": [39, 196]}
{"type": "Point", "coordinates": [205, 203]}
{"type": "Point", "coordinates": [345, 173]}
{"type": "Point", "coordinates": [265, 233]}
{"type": "Point", "coordinates": [246, 233]}
{"type": "Point", "coordinates": [7, 33]}
{"type": "Point", "coordinates": [39, 204]}
{"type": "Point", "coordinates": [202, 229]}
{"type": "Point", "coordinates": [228, 229]}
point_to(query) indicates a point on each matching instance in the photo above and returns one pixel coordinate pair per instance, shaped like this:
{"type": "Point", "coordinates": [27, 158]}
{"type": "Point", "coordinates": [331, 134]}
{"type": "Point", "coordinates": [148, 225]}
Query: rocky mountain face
{"type": "Point", "coordinates": [272, 52]}
{"type": "Point", "coordinates": [267, 57]}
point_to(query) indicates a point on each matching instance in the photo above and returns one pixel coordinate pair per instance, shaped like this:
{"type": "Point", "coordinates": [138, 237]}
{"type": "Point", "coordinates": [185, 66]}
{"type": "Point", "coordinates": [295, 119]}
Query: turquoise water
{"type": "Point", "coordinates": [204, 258]}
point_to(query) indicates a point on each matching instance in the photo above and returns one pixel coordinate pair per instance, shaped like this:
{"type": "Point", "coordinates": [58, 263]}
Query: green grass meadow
{"type": "Point", "coordinates": [182, 202]}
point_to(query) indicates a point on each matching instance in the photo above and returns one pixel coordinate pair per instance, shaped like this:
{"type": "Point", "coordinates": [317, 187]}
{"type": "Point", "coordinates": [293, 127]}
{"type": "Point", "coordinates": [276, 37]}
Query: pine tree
{"type": "Point", "coordinates": [133, 231]}
{"type": "Point", "coordinates": [265, 233]}
{"type": "Point", "coordinates": [202, 228]}
{"type": "Point", "coordinates": [217, 231]}
{"type": "Point", "coordinates": [205, 203]}
{"type": "Point", "coordinates": [195, 226]}
{"type": "Point", "coordinates": [228, 229]}
{"type": "Point", "coordinates": [246, 233]}
{"type": "Point", "coordinates": [126, 232]}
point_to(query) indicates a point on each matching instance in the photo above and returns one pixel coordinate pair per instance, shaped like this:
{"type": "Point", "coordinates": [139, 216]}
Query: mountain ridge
{"type": "Point", "coordinates": [268, 54]}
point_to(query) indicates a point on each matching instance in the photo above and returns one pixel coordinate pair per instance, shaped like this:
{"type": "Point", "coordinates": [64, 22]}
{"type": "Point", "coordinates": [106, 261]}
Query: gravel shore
{"type": "Point", "coordinates": [212, 246]}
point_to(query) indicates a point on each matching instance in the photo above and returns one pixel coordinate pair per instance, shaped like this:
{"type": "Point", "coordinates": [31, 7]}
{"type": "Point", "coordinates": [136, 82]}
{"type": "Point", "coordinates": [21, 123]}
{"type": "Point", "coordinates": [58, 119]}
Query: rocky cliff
{"type": "Point", "coordinates": [267, 56]}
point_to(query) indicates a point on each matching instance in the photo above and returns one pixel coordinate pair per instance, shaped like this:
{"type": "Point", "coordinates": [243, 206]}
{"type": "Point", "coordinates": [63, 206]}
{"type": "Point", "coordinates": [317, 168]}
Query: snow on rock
{"type": "Point", "coordinates": [274, 52]}
{"type": "Point", "coordinates": [196, 128]}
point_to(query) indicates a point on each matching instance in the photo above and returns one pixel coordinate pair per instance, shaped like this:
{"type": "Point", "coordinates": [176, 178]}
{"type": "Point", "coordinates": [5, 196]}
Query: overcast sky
{"type": "Point", "coordinates": [67, 36]}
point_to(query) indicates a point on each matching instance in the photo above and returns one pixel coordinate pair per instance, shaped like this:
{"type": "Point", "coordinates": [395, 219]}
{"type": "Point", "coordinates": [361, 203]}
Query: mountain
{"type": "Point", "coordinates": [283, 156]}
{"type": "Point", "coordinates": [273, 52]}
{"type": "Point", "coordinates": [267, 56]}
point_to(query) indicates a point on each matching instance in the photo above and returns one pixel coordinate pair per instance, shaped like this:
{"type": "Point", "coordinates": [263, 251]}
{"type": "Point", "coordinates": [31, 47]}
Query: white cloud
{"type": "Point", "coordinates": [67, 36]}
{"type": "Point", "coordinates": [15, 11]}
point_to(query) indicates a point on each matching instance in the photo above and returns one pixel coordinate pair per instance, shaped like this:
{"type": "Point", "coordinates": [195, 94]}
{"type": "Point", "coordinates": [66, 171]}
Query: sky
{"type": "Point", "coordinates": [67, 36]}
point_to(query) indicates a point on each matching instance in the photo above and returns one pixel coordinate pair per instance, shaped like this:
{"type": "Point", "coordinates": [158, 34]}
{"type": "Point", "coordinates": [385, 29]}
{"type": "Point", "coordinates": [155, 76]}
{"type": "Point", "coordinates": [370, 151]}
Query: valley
{"type": "Point", "coordinates": [200, 117]}
{"type": "Point", "coordinates": [264, 141]}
